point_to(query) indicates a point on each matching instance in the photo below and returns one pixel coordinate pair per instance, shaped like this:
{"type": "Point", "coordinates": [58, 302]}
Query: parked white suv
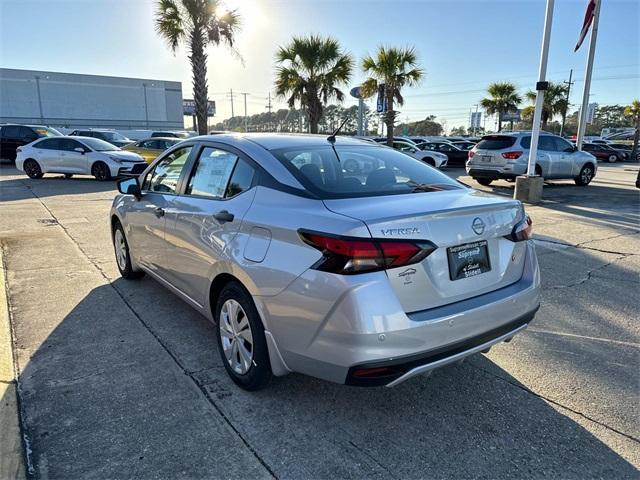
{"type": "Point", "coordinates": [77, 155]}
{"type": "Point", "coordinates": [506, 155]}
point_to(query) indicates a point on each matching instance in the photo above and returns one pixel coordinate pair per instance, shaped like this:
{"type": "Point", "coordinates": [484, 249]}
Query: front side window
{"type": "Point", "coordinates": [27, 134]}
{"type": "Point", "coordinates": [360, 171]}
{"type": "Point", "coordinates": [212, 173]}
{"type": "Point", "coordinates": [546, 143]}
{"type": "Point", "coordinates": [164, 177]}
{"type": "Point", "coordinates": [562, 145]}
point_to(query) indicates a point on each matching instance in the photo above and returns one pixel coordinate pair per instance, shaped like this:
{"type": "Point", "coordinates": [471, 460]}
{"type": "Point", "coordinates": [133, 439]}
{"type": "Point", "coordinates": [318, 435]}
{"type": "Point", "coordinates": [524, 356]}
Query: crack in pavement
{"type": "Point", "coordinates": [555, 402]}
{"type": "Point", "coordinates": [162, 344]}
{"type": "Point", "coordinates": [589, 274]}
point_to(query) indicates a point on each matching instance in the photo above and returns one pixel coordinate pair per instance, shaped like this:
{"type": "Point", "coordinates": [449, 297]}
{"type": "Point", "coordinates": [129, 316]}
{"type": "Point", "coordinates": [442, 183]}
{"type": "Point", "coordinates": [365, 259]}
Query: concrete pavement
{"type": "Point", "coordinates": [121, 379]}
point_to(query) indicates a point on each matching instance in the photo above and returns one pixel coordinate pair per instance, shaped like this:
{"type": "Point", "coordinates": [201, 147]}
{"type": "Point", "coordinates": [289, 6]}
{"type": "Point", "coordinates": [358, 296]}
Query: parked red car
{"type": "Point", "coordinates": [603, 152]}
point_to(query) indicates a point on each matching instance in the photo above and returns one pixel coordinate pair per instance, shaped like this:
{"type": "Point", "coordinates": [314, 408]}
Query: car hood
{"type": "Point", "coordinates": [125, 156]}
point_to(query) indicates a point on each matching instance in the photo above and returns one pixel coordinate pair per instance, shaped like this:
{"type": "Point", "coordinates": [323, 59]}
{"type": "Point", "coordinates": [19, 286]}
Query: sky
{"type": "Point", "coordinates": [462, 46]}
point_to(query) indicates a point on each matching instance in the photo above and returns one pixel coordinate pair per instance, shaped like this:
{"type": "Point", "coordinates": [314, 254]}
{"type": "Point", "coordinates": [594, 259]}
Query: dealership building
{"type": "Point", "coordinates": [71, 100]}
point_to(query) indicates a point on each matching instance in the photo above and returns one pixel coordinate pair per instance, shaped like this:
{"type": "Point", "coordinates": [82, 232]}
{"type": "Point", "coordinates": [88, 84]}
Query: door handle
{"type": "Point", "coordinates": [224, 216]}
{"type": "Point", "coordinates": [159, 212]}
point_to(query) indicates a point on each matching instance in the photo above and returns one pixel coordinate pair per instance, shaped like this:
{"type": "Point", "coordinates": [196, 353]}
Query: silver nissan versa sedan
{"type": "Point", "coordinates": [362, 279]}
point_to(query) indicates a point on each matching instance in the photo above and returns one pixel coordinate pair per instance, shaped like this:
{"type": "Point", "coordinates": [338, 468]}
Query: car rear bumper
{"type": "Point", "coordinates": [366, 329]}
{"type": "Point", "coordinates": [506, 172]}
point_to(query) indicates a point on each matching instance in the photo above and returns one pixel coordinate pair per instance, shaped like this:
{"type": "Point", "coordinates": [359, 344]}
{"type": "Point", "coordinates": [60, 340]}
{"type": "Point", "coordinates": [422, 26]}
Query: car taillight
{"type": "Point", "coordinates": [523, 230]}
{"type": "Point", "coordinates": [512, 155]}
{"type": "Point", "coordinates": [350, 255]}
{"type": "Point", "coordinates": [471, 153]}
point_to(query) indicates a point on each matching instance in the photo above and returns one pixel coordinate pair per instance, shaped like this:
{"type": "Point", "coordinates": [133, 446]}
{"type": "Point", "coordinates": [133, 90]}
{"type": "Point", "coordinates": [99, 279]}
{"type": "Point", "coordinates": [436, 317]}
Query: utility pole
{"type": "Point", "coordinates": [474, 123]}
{"type": "Point", "coordinates": [269, 106]}
{"type": "Point", "coordinates": [245, 111]}
{"type": "Point", "coordinates": [564, 115]}
{"type": "Point", "coordinates": [230, 94]}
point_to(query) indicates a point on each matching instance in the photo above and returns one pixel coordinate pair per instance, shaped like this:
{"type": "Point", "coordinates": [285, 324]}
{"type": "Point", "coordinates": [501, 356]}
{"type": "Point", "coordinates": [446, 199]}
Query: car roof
{"type": "Point", "coordinates": [272, 141]}
{"type": "Point", "coordinates": [160, 138]}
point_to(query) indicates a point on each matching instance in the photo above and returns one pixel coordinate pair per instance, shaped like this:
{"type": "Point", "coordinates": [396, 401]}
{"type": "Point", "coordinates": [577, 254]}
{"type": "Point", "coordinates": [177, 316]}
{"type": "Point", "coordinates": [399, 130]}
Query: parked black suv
{"type": "Point", "coordinates": [114, 138]}
{"type": "Point", "coordinates": [14, 136]}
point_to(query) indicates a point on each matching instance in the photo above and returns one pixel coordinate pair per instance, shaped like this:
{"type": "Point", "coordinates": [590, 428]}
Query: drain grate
{"type": "Point", "coordinates": [48, 221]}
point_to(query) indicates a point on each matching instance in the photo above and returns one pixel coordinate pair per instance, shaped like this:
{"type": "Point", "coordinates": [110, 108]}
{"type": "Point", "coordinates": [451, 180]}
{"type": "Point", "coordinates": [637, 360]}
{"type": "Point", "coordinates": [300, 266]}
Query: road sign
{"type": "Point", "coordinates": [189, 107]}
{"type": "Point", "coordinates": [591, 112]}
{"type": "Point", "coordinates": [476, 119]}
{"type": "Point", "coordinates": [512, 116]}
{"type": "Point", "coordinates": [356, 92]}
{"type": "Point", "coordinates": [381, 104]}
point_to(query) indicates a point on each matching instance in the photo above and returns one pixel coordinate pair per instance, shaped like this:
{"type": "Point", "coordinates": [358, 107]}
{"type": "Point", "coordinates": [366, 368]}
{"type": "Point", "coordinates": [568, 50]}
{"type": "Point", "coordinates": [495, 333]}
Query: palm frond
{"type": "Point", "coordinates": [169, 22]}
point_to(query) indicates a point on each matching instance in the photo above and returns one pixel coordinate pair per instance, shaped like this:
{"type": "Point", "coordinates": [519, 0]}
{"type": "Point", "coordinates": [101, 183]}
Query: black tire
{"type": "Point", "coordinates": [258, 372]}
{"type": "Point", "coordinates": [68, 175]}
{"type": "Point", "coordinates": [612, 158]}
{"type": "Point", "coordinates": [123, 257]}
{"type": "Point", "coordinates": [32, 168]}
{"type": "Point", "coordinates": [101, 171]}
{"type": "Point", "coordinates": [484, 181]}
{"type": "Point", "coordinates": [585, 176]}
{"type": "Point", "coordinates": [538, 171]}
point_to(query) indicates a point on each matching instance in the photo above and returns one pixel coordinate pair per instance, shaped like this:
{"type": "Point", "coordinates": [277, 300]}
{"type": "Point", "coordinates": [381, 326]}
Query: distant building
{"type": "Point", "coordinates": [74, 100]}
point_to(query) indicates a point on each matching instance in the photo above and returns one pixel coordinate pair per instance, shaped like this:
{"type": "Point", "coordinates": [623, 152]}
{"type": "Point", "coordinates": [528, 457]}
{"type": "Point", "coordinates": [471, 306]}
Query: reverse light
{"type": "Point", "coordinates": [523, 230]}
{"type": "Point", "coordinates": [512, 155]}
{"type": "Point", "coordinates": [351, 255]}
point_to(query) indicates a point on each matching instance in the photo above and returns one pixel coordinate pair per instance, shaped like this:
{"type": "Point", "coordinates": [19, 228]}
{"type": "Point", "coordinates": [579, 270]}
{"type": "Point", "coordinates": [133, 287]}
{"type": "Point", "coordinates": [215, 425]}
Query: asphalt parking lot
{"type": "Point", "coordinates": [120, 378]}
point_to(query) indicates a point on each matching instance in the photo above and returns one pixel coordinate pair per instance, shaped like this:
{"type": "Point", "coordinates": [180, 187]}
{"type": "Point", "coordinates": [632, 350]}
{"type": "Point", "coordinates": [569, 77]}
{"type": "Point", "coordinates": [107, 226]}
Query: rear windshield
{"type": "Point", "coordinates": [361, 171]}
{"type": "Point", "coordinates": [496, 142]}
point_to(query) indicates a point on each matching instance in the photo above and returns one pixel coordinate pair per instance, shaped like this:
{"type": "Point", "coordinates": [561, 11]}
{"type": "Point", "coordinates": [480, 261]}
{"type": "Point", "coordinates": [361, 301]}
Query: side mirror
{"type": "Point", "coordinates": [80, 150]}
{"type": "Point", "coordinates": [130, 186]}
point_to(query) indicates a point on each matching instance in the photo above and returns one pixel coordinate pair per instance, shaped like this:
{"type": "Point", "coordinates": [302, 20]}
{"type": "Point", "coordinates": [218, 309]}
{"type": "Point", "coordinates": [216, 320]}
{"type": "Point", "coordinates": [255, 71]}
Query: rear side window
{"type": "Point", "coordinates": [212, 173]}
{"type": "Point", "coordinates": [496, 142]}
{"type": "Point", "coordinates": [49, 144]}
{"type": "Point", "coordinates": [241, 180]}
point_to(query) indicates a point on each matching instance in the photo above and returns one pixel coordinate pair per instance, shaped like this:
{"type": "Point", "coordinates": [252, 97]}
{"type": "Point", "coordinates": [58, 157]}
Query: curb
{"type": "Point", "coordinates": [12, 465]}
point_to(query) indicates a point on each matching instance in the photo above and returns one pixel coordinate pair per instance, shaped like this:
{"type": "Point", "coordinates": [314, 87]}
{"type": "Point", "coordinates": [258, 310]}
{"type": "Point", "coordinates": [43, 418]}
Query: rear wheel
{"type": "Point", "coordinates": [241, 340]}
{"type": "Point", "coordinates": [612, 158]}
{"type": "Point", "coordinates": [484, 181]}
{"type": "Point", "coordinates": [585, 176]}
{"type": "Point", "coordinates": [101, 171]}
{"type": "Point", "coordinates": [32, 169]}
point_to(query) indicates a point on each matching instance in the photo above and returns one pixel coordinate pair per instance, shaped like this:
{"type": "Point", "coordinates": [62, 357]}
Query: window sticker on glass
{"type": "Point", "coordinates": [212, 173]}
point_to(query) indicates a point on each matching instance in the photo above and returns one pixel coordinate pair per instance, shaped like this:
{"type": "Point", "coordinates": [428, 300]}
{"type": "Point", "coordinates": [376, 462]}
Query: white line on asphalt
{"type": "Point", "coordinates": [583, 337]}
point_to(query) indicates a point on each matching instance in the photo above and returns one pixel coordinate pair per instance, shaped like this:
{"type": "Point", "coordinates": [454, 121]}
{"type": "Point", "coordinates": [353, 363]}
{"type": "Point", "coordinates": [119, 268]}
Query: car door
{"type": "Point", "coordinates": [564, 164]}
{"type": "Point", "coordinates": [206, 217]}
{"type": "Point", "coordinates": [547, 155]}
{"type": "Point", "coordinates": [146, 217]}
{"type": "Point", "coordinates": [72, 160]}
{"type": "Point", "coordinates": [47, 153]}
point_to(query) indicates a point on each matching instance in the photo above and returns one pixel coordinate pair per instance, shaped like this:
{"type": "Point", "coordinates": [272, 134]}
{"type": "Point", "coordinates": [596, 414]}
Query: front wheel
{"type": "Point", "coordinates": [101, 171]}
{"type": "Point", "coordinates": [484, 181]}
{"type": "Point", "coordinates": [32, 169]}
{"type": "Point", "coordinates": [612, 159]}
{"type": "Point", "coordinates": [241, 340]}
{"type": "Point", "coordinates": [123, 256]}
{"type": "Point", "coordinates": [585, 176]}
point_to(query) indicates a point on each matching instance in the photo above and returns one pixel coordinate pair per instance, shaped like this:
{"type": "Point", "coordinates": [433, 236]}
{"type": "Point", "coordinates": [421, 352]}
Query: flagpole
{"type": "Point", "coordinates": [582, 122]}
{"type": "Point", "coordinates": [529, 187]}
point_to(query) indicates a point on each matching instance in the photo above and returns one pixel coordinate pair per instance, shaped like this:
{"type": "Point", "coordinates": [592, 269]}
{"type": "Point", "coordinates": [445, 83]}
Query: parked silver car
{"type": "Point", "coordinates": [363, 279]}
{"type": "Point", "coordinates": [506, 155]}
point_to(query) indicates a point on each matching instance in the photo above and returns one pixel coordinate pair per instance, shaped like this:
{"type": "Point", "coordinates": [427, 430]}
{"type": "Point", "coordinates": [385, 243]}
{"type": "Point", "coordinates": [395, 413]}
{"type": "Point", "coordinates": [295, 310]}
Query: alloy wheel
{"type": "Point", "coordinates": [586, 175]}
{"type": "Point", "coordinates": [612, 158]}
{"type": "Point", "coordinates": [236, 336]}
{"type": "Point", "coordinates": [121, 249]}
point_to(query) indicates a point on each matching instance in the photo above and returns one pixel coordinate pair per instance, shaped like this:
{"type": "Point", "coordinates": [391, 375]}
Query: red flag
{"type": "Point", "coordinates": [588, 20]}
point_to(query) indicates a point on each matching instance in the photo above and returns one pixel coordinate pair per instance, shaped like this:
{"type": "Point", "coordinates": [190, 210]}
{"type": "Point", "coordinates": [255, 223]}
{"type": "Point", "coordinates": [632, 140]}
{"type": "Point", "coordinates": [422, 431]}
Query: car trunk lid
{"type": "Point", "coordinates": [450, 219]}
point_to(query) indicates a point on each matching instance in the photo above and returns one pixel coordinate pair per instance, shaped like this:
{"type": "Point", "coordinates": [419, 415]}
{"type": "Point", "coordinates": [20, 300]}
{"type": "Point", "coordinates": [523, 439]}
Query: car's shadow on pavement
{"type": "Point", "coordinates": [130, 384]}
{"type": "Point", "coordinates": [50, 185]}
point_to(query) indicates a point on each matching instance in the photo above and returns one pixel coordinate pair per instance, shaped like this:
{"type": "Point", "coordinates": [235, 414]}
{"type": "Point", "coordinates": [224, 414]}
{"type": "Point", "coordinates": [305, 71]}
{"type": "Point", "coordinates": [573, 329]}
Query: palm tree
{"type": "Point", "coordinates": [198, 23]}
{"type": "Point", "coordinates": [554, 103]}
{"type": "Point", "coordinates": [633, 111]}
{"type": "Point", "coordinates": [309, 71]}
{"type": "Point", "coordinates": [394, 68]}
{"type": "Point", "coordinates": [503, 99]}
